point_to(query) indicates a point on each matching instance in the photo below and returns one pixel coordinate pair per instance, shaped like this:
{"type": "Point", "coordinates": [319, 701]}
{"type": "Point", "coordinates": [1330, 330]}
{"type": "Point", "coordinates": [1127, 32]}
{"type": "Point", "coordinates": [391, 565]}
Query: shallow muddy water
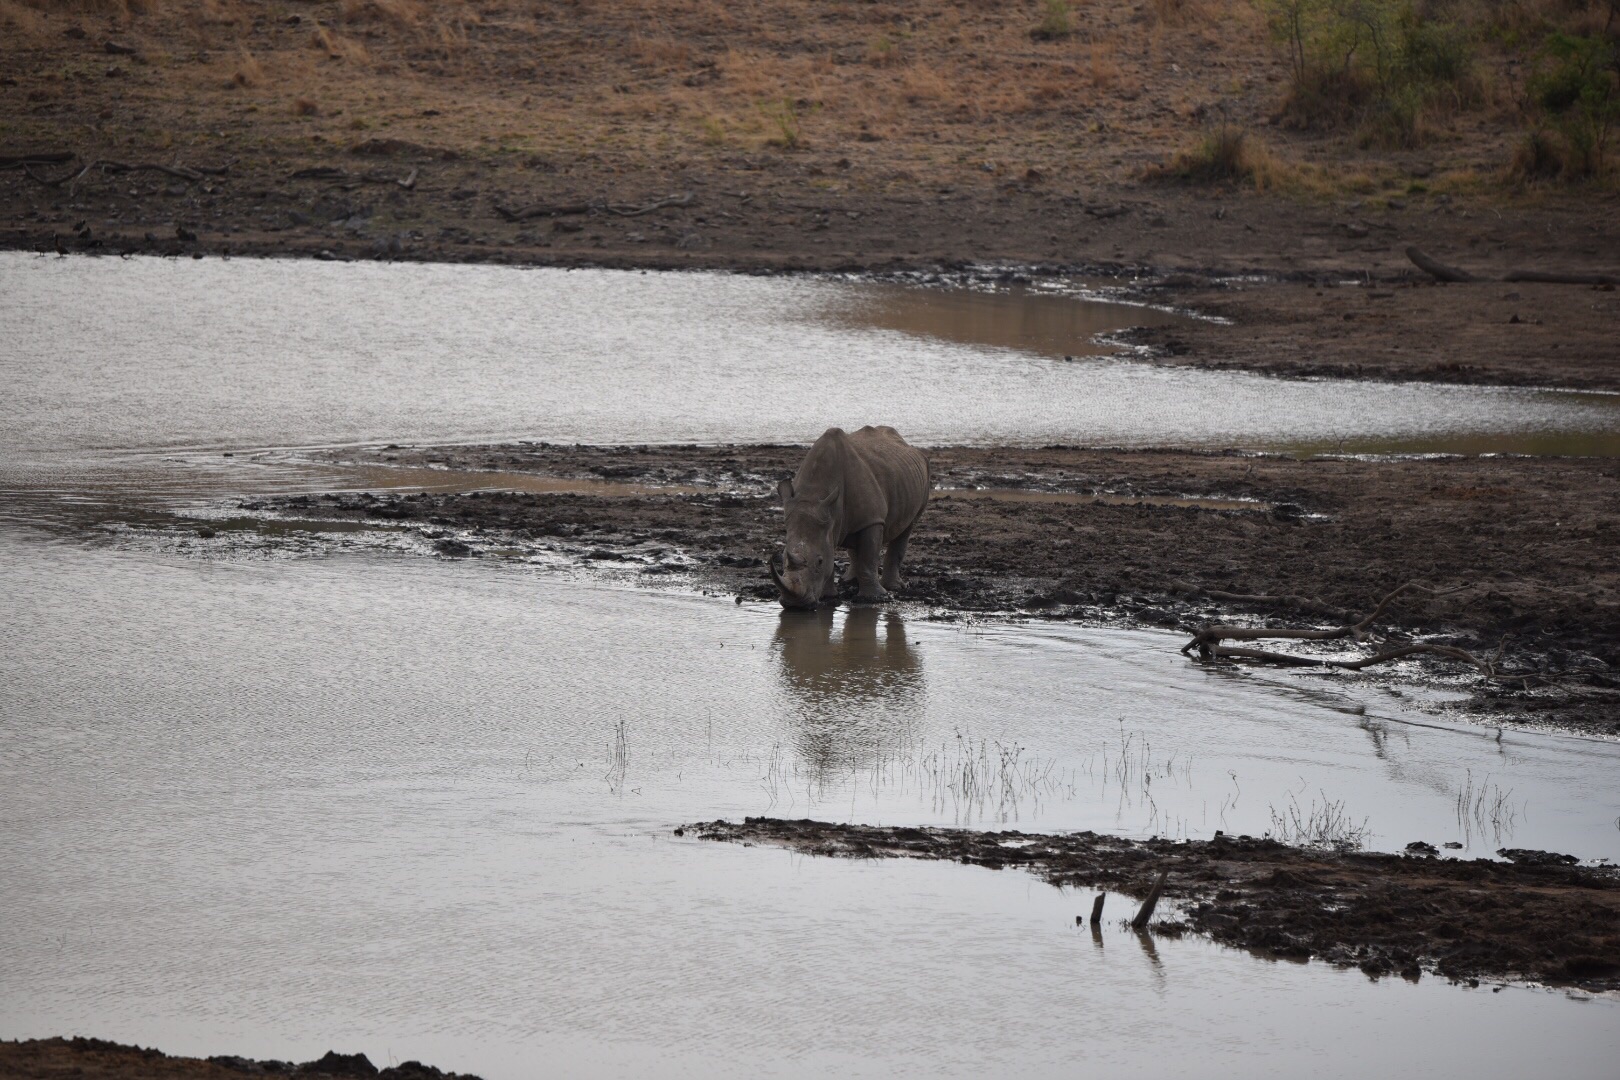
{"type": "Point", "coordinates": [422, 808]}
{"type": "Point", "coordinates": [249, 353]}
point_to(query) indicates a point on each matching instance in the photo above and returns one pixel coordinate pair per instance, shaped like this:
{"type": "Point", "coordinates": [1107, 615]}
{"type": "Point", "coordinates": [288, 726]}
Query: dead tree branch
{"type": "Point", "coordinates": [105, 167]}
{"type": "Point", "coordinates": [529, 213]}
{"type": "Point", "coordinates": [1210, 641]}
{"type": "Point", "coordinates": [1436, 269]}
{"type": "Point", "coordinates": [1441, 272]}
{"type": "Point", "coordinates": [626, 210]}
{"type": "Point", "coordinates": [48, 157]}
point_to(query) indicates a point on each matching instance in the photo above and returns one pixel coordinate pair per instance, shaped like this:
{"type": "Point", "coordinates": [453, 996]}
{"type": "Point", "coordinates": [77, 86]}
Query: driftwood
{"type": "Point", "coordinates": [1146, 911]}
{"type": "Point", "coordinates": [1437, 270]}
{"type": "Point", "coordinates": [49, 157]}
{"type": "Point", "coordinates": [529, 213]}
{"type": "Point", "coordinates": [105, 166]}
{"type": "Point", "coordinates": [1209, 639]}
{"type": "Point", "coordinates": [1441, 272]}
{"type": "Point", "coordinates": [624, 210]}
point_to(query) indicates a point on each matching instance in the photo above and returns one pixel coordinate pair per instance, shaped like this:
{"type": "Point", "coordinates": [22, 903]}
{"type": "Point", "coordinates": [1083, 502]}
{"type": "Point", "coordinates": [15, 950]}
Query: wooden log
{"type": "Point", "coordinates": [1554, 277]}
{"type": "Point", "coordinates": [1152, 901]}
{"type": "Point", "coordinates": [1436, 269]}
{"type": "Point", "coordinates": [44, 157]}
{"type": "Point", "coordinates": [1096, 909]}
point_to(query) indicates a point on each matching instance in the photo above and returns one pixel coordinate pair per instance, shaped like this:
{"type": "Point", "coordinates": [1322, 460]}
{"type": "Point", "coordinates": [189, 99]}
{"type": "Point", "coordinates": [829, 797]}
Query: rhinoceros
{"type": "Point", "coordinates": [854, 491]}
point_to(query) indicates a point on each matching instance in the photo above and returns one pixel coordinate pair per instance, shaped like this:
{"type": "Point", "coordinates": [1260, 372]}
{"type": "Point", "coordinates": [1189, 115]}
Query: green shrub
{"type": "Point", "coordinates": [1055, 23]}
{"type": "Point", "coordinates": [1373, 64]}
{"type": "Point", "coordinates": [1575, 88]}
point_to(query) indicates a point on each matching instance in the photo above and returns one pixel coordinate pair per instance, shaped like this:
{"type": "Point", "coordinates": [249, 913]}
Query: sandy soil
{"type": "Point", "coordinates": [96, 1059]}
{"type": "Point", "coordinates": [1536, 917]}
{"type": "Point", "coordinates": [1523, 547]}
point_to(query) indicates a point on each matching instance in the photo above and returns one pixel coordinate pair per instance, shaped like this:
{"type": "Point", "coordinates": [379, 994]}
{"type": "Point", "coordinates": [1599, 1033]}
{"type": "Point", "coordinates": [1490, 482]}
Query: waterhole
{"type": "Point", "coordinates": [365, 800]}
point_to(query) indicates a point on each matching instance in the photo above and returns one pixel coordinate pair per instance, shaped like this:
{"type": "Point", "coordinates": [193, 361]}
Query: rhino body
{"type": "Point", "coordinates": [859, 491]}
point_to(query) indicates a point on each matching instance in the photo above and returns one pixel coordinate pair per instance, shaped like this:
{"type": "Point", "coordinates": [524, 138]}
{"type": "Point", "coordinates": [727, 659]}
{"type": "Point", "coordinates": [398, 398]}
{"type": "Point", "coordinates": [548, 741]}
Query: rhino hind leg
{"type": "Point", "coordinates": [891, 561]}
{"type": "Point", "coordinates": [865, 554]}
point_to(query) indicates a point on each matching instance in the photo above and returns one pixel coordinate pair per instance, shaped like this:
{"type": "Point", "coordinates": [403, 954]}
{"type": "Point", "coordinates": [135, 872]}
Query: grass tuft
{"type": "Point", "coordinates": [1226, 153]}
{"type": "Point", "coordinates": [1057, 21]}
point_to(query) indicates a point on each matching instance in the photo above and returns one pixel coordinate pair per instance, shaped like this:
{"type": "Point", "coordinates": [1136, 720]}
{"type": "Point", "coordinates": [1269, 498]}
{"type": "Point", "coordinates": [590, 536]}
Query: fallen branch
{"type": "Point", "coordinates": [1209, 641]}
{"type": "Point", "coordinates": [1555, 278]}
{"type": "Point", "coordinates": [1441, 272]}
{"type": "Point", "coordinates": [1436, 269]}
{"type": "Point", "coordinates": [1208, 638]}
{"type": "Point", "coordinates": [49, 157]}
{"type": "Point", "coordinates": [529, 213]}
{"type": "Point", "coordinates": [73, 176]}
{"type": "Point", "coordinates": [625, 210]}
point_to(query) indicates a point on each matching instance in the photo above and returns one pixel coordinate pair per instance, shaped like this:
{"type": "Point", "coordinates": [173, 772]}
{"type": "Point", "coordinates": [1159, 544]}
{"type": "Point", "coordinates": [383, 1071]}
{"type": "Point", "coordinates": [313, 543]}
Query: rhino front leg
{"type": "Point", "coordinates": [891, 561]}
{"type": "Point", "coordinates": [865, 554]}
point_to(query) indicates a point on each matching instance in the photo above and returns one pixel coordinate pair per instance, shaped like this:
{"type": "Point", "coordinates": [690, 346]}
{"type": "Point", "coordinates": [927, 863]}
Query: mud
{"type": "Point", "coordinates": [1524, 547]}
{"type": "Point", "coordinates": [1537, 919]}
{"type": "Point", "coordinates": [94, 1059]}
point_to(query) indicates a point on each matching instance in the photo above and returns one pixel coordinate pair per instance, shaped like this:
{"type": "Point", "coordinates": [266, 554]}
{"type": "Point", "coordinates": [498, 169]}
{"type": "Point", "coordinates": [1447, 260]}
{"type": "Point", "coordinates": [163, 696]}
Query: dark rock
{"type": "Point", "coordinates": [1532, 857]}
{"type": "Point", "coordinates": [336, 1064]}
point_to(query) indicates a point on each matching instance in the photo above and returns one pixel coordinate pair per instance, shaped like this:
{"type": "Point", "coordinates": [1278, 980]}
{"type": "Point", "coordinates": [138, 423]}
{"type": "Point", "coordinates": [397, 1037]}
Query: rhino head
{"type": "Point", "coordinates": [806, 562]}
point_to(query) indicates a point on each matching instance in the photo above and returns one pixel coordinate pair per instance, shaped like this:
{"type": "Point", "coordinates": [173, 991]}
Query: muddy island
{"type": "Point", "coordinates": [1536, 916]}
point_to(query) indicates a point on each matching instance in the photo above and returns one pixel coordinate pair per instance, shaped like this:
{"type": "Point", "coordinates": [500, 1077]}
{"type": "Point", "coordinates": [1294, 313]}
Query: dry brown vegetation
{"type": "Point", "coordinates": [938, 85]}
{"type": "Point", "coordinates": [566, 100]}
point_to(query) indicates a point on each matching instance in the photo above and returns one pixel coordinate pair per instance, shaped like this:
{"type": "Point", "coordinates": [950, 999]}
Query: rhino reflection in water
{"type": "Point", "coordinates": [857, 692]}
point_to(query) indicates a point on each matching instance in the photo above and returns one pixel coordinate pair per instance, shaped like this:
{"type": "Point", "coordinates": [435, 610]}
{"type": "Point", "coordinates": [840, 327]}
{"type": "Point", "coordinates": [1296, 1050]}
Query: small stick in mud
{"type": "Point", "coordinates": [1152, 901]}
{"type": "Point", "coordinates": [1096, 909]}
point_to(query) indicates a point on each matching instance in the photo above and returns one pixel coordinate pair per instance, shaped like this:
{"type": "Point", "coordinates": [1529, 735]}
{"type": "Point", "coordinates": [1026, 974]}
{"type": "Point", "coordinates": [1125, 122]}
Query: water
{"type": "Point", "coordinates": [273, 805]}
{"type": "Point", "coordinates": [247, 353]}
{"type": "Point", "coordinates": [371, 802]}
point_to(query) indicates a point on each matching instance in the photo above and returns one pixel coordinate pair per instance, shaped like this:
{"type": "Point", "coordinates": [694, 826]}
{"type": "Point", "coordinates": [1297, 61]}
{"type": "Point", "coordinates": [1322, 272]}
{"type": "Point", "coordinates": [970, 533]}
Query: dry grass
{"type": "Point", "coordinates": [339, 47]}
{"type": "Point", "coordinates": [915, 87]}
{"type": "Point", "coordinates": [1229, 154]}
{"type": "Point", "coordinates": [249, 72]}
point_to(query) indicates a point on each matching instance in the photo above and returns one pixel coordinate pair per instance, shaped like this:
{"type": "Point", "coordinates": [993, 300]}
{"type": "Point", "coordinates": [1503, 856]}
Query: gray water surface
{"type": "Point", "coordinates": [423, 809]}
{"type": "Point", "coordinates": [259, 798]}
{"type": "Point", "coordinates": [114, 354]}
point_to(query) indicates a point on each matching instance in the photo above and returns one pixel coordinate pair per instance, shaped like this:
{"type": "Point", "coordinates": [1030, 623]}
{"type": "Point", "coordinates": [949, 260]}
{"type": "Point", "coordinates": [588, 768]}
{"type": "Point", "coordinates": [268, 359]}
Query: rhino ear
{"type": "Point", "coordinates": [785, 491]}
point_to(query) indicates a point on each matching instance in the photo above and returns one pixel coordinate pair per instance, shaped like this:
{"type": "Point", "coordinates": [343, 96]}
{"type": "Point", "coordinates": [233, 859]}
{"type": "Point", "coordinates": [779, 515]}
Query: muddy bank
{"type": "Point", "coordinates": [93, 1059]}
{"type": "Point", "coordinates": [1500, 334]}
{"type": "Point", "coordinates": [1537, 917]}
{"type": "Point", "coordinates": [1524, 547]}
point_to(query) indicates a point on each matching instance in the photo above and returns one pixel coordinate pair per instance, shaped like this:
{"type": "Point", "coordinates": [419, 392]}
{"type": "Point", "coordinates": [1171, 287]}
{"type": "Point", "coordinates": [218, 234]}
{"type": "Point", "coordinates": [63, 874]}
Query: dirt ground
{"type": "Point", "coordinates": [98, 1059]}
{"type": "Point", "coordinates": [1521, 548]}
{"type": "Point", "coordinates": [1534, 917]}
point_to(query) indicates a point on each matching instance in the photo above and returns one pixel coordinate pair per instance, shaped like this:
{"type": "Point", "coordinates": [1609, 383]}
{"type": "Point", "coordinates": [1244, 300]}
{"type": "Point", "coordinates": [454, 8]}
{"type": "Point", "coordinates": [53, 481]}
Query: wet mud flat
{"type": "Point", "coordinates": [48, 1059]}
{"type": "Point", "coordinates": [1407, 329]}
{"type": "Point", "coordinates": [1537, 916]}
{"type": "Point", "coordinates": [1522, 549]}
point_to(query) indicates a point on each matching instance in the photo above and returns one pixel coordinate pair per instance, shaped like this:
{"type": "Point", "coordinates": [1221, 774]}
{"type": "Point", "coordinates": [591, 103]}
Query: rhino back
{"type": "Point", "coordinates": [899, 473]}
